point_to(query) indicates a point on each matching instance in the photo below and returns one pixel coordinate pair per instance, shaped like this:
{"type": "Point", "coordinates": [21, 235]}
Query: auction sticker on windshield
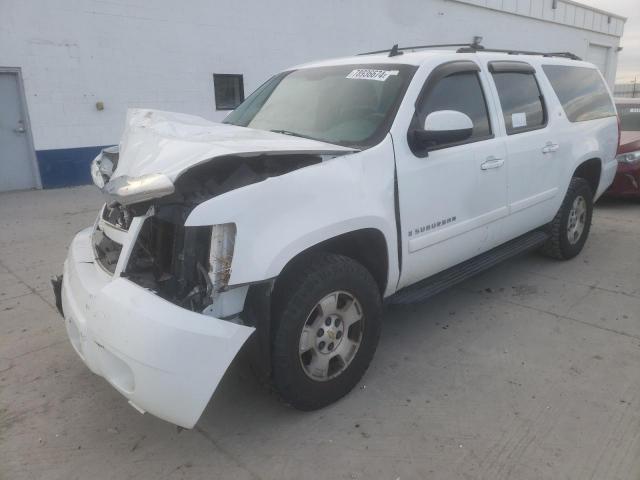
{"type": "Point", "coordinates": [371, 74]}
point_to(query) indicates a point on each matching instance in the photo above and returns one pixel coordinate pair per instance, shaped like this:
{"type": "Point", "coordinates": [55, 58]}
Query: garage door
{"type": "Point", "coordinates": [598, 55]}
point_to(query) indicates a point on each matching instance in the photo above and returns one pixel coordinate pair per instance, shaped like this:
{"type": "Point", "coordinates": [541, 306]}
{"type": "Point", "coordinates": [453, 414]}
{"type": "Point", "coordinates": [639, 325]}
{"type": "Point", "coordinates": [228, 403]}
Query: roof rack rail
{"type": "Point", "coordinates": [471, 48]}
{"type": "Point", "coordinates": [395, 50]}
{"type": "Point", "coordinates": [476, 48]}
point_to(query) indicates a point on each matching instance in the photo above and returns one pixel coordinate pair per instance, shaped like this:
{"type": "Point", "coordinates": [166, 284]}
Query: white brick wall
{"type": "Point", "coordinates": [163, 54]}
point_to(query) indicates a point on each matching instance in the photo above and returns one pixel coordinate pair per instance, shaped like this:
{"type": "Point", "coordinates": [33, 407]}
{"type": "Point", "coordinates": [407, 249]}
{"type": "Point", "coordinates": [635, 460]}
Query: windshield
{"type": "Point", "coordinates": [629, 117]}
{"type": "Point", "coordinates": [348, 105]}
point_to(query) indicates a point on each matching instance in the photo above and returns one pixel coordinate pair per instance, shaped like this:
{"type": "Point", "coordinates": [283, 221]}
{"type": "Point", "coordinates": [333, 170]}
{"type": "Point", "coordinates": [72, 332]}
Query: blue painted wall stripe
{"type": "Point", "coordinates": [66, 167]}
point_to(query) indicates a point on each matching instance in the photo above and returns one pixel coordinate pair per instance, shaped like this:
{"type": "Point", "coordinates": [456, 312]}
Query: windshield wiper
{"type": "Point", "coordinates": [293, 134]}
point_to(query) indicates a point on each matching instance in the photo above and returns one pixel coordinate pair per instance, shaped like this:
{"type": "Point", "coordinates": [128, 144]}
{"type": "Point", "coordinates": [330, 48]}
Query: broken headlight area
{"type": "Point", "coordinates": [127, 190]}
{"type": "Point", "coordinates": [104, 164]}
{"type": "Point", "coordinates": [184, 265]}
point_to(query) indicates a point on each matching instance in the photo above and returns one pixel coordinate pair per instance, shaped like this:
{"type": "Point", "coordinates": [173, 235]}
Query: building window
{"type": "Point", "coordinates": [229, 90]}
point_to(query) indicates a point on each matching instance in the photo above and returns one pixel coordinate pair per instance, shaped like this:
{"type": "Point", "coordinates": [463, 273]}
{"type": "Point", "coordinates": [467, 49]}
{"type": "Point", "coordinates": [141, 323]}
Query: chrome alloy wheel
{"type": "Point", "coordinates": [577, 220]}
{"type": "Point", "coordinates": [331, 336]}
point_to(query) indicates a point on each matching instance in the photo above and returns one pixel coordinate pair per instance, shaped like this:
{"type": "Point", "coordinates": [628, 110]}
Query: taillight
{"type": "Point", "coordinates": [629, 158]}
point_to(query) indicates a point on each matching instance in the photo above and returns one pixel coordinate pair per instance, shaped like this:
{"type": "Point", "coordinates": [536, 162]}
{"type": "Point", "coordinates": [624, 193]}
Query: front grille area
{"type": "Point", "coordinates": [107, 252]}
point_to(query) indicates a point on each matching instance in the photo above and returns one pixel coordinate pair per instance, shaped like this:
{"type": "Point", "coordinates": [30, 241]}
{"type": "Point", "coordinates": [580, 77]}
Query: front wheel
{"type": "Point", "coordinates": [570, 227]}
{"type": "Point", "coordinates": [327, 328]}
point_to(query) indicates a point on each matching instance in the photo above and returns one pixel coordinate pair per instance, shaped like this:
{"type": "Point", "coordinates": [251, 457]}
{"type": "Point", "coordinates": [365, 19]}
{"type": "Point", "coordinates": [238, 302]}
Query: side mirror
{"type": "Point", "coordinates": [443, 127]}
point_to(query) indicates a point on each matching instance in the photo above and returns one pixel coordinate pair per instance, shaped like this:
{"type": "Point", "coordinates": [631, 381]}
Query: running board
{"type": "Point", "coordinates": [435, 284]}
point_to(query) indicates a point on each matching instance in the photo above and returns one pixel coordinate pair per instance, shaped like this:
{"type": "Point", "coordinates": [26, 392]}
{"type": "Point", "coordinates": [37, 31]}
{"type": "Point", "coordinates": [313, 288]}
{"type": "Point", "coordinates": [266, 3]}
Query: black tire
{"type": "Point", "coordinates": [559, 246]}
{"type": "Point", "coordinates": [296, 296]}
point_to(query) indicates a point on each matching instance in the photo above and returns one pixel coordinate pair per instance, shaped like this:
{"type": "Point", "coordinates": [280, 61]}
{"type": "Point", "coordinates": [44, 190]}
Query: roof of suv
{"type": "Point", "coordinates": [419, 57]}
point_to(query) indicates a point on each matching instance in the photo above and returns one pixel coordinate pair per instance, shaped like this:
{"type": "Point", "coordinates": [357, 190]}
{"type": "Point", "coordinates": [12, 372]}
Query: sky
{"type": "Point", "coordinates": [629, 57]}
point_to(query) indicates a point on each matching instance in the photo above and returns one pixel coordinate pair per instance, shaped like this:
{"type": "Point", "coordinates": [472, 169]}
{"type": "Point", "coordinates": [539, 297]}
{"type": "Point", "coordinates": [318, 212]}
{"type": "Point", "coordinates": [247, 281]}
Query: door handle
{"type": "Point", "coordinates": [20, 127]}
{"type": "Point", "coordinates": [492, 162]}
{"type": "Point", "coordinates": [550, 147]}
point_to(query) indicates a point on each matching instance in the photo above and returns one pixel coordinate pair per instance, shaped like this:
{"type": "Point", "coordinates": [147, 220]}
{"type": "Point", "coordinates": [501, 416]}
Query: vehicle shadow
{"type": "Point", "coordinates": [241, 395]}
{"type": "Point", "coordinates": [618, 203]}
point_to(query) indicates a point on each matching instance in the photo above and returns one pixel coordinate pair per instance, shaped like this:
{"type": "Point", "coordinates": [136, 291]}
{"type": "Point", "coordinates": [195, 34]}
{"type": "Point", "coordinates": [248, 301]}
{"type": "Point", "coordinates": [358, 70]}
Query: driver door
{"type": "Point", "coordinates": [451, 196]}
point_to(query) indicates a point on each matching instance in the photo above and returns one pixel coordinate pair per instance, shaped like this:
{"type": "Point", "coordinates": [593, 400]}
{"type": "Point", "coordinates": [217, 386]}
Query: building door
{"type": "Point", "coordinates": [17, 166]}
{"type": "Point", "coordinates": [599, 56]}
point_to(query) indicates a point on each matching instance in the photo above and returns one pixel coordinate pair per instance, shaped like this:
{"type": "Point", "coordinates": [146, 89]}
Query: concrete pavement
{"type": "Point", "coordinates": [529, 371]}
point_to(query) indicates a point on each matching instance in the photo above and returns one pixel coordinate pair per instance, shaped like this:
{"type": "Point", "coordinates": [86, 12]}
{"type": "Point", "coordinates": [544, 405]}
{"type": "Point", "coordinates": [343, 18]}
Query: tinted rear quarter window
{"type": "Point", "coordinates": [521, 101]}
{"type": "Point", "coordinates": [581, 92]}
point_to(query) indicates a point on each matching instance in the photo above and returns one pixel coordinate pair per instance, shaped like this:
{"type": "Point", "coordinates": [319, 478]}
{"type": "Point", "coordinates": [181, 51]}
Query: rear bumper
{"type": "Point", "coordinates": [606, 178]}
{"type": "Point", "coordinates": [164, 359]}
{"type": "Point", "coordinates": [626, 182]}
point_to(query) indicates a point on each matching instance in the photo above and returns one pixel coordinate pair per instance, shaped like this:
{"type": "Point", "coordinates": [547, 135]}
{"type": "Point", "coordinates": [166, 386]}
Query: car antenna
{"type": "Point", "coordinates": [394, 52]}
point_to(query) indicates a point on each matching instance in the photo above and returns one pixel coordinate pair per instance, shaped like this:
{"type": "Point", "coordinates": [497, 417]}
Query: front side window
{"type": "Point", "coordinates": [581, 92]}
{"type": "Point", "coordinates": [349, 105]}
{"type": "Point", "coordinates": [629, 117]}
{"type": "Point", "coordinates": [461, 92]}
{"type": "Point", "coordinates": [521, 101]}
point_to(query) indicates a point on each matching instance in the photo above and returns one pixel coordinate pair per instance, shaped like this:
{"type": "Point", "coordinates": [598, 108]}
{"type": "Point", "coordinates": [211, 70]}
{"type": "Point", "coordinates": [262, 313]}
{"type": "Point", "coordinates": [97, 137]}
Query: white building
{"type": "Point", "coordinates": [69, 69]}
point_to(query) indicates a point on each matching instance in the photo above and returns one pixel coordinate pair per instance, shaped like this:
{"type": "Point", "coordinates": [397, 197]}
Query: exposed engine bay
{"type": "Point", "coordinates": [173, 261]}
{"type": "Point", "coordinates": [189, 266]}
{"type": "Point", "coordinates": [165, 166]}
{"type": "Point", "coordinates": [228, 173]}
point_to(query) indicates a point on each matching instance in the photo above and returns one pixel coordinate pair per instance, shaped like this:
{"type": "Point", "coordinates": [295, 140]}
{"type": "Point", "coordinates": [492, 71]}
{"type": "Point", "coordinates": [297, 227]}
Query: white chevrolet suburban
{"type": "Point", "coordinates": [337, 186]}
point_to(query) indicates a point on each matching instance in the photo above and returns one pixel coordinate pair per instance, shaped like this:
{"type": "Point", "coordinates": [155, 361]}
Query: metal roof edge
{"type": "Point", "coordinates": [542, 19]}
{"type": "Point", "coordinates": [594, 9]}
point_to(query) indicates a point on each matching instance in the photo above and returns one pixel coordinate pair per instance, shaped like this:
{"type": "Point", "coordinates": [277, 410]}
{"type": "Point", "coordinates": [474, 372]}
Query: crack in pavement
{"type": "Point", "coordinates": [564, 317]}
{"type": "Point", "coordinates": [227, 454]}
{"type": "Point", "coordinates": [35, 350]}
{"type": "Point", "coordinates": [32, 290]}
{"type": "Point", "coordinates": [595, 287]}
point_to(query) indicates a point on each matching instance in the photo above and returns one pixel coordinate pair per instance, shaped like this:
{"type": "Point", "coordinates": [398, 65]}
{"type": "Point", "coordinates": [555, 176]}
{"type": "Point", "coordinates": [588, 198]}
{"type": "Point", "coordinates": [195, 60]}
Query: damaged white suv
{"type": "Point", "coordinates": [334, 187]}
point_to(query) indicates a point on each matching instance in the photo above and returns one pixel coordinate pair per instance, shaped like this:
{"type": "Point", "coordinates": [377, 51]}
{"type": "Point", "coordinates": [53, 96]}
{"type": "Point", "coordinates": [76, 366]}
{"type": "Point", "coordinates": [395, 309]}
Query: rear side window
{"type": "Point", "coordinates": [461, 92]}
{"type": "Point", "coordinates": [581, 92]}
{"type": "Point", "coordinates": [521, 101]}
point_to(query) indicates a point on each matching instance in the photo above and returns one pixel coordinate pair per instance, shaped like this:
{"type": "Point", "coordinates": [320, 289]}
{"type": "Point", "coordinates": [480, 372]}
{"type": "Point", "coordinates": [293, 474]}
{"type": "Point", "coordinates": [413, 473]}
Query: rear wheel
{"type": "Point", "coordinates": [327, 328]}
{"type": "Point", "coordinates": [571, 225]}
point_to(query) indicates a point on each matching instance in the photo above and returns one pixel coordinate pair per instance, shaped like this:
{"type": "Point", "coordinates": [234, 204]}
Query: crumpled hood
{"type": "Point", "coordinates": [157, 142]}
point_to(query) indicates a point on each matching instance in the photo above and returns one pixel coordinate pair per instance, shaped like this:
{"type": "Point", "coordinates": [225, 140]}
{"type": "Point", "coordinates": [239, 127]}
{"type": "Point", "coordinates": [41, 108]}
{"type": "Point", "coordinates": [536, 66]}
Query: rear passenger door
{"type": "Point", "coordinates": [533, 151]}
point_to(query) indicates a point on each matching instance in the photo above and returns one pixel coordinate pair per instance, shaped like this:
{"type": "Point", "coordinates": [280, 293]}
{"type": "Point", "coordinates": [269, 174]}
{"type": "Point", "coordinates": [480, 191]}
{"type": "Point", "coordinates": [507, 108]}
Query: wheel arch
{"type": "Point", "coordinates": [367, 246]}
{"type": "Point", "coordinates": [591, 171]}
